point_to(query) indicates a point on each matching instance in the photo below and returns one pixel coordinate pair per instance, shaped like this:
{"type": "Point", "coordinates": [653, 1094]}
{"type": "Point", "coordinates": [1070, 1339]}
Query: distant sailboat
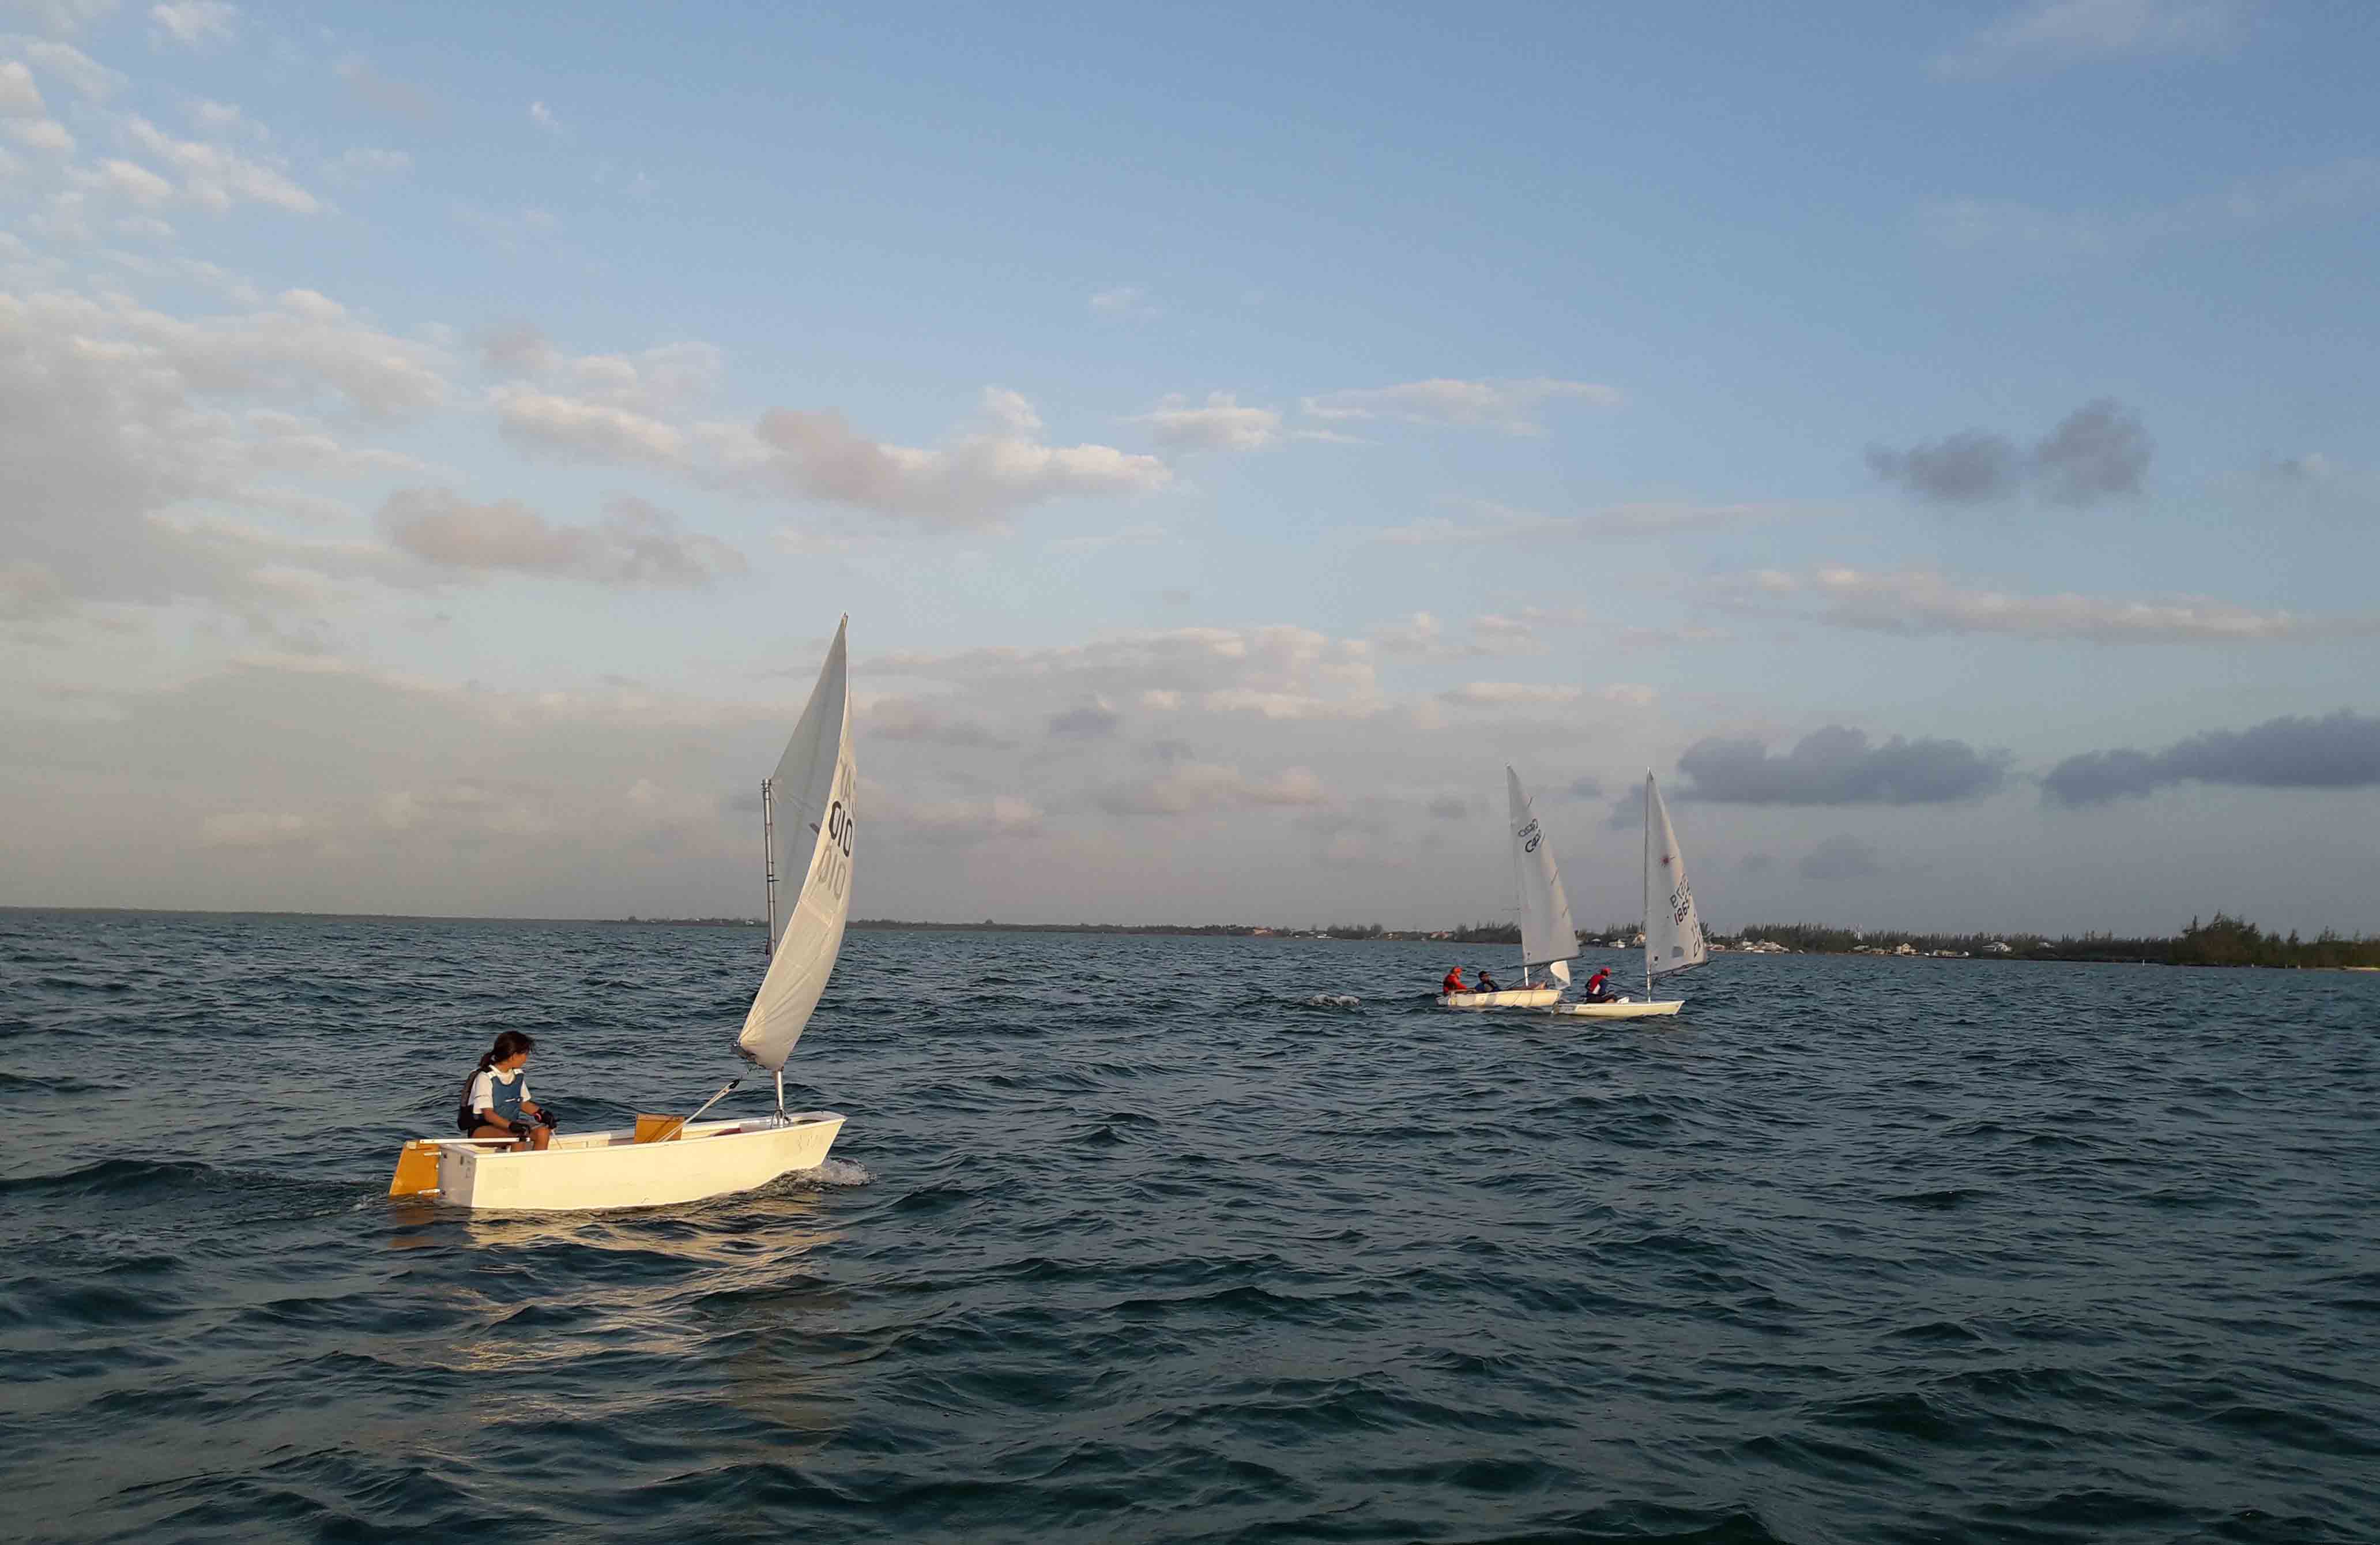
{"type": "Point", "coordinates": [807, 817]}
{"type": "Point", "coordinates": [1548, 938]}
{"type": "Point", "coordinates": [1673, 929]}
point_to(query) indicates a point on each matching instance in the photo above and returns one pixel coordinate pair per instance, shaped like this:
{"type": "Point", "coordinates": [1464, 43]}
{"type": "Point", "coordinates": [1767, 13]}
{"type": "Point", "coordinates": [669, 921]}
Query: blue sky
{"type": "Point", "coordinates": [442, 439]}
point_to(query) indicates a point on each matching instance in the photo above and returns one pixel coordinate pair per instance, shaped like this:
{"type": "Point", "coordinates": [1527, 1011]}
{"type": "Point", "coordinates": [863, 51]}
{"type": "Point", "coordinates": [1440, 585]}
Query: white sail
{"type": "Point", "coordinates": [1673, 931]}
{"type": "Point", "coordinates": [1548, 938]}
{"type": "Point", "coordinates": [811, 800]}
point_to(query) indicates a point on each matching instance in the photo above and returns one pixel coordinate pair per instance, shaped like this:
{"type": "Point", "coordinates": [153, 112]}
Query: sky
{"type": "Point", "coordinates": [1938, 443]}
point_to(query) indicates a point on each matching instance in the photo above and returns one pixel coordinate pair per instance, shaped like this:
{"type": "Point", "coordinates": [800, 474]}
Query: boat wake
{"type": "Point", "coordinates": [1334, 1000]}
{"type": "Point", "coordinates": [835, 1174]}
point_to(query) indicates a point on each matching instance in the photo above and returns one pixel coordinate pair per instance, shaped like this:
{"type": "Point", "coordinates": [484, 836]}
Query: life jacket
{"type": "Point", "coordinates": [503, 1098]}
{"type": "Point", "coordinates": [1454, 983]}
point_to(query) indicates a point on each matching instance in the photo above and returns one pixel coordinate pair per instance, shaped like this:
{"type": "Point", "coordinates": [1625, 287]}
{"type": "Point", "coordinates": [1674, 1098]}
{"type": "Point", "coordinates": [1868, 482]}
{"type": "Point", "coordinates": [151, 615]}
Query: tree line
{"type": "Point", "coordinates": [2221, 939]}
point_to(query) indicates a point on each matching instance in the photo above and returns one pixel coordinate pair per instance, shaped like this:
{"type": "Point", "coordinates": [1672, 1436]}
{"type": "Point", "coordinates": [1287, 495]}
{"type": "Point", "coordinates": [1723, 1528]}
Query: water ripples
{"type": "Point", "coordinates": [1189, 1239]}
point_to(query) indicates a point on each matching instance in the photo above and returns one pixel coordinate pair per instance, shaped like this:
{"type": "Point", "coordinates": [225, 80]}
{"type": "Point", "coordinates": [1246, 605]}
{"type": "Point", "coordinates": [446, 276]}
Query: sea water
{"type": "Point", "coordinates": [1176, 1239]}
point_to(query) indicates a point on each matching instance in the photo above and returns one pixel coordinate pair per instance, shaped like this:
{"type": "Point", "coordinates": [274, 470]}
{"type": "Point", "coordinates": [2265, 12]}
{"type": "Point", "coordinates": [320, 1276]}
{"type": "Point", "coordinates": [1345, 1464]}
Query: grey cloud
{"type": "Point", "coordinates": [1169, 750]}
{"type": "Point", "coordinates": [518, 348]}
{"type": "Point", "coordinates": [907, 719]}
{"type": "Point", "coordinates": [1757, 863]}
{"type": "Point", "coordinates": [1842, 858]}
{"type": "Point", "coordinates": [2340, 751]}
{"type": "Point", "coordinates": [1091, 721]}
{"type": "Point", "coordinates": [2098, 451]}
{"type": "Point", "coordinates": [1584, 788]}
{"type": "Point", "coordinates": [2312, 467]}
{"type": "Point", "coordinates": [1970, 468]}
{"type": "Point", "coordinates": [1448, 808]}
{"type": "Point", "coordinates": [1837, 766]}
{"type": "Point", "coordinates": [398, 98]}
{"type": "Point", "coordinates": [634, 544]}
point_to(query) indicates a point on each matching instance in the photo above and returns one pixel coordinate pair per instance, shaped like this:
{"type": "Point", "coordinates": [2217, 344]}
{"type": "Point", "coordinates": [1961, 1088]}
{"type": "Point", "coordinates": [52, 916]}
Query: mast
{"type": "Point", "coordinates": [769, 868]}
{"type": "Point", "coordinates": [1648, 887]}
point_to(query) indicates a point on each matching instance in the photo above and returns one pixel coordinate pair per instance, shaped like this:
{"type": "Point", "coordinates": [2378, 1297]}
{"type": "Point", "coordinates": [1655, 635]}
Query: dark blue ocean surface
{"type": "Point", "coordinates": [1137, 1240]}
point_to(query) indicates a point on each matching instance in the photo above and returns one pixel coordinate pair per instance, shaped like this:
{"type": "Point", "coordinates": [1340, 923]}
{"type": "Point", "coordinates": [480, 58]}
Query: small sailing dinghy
{"type": "Point", "coordinates": [1673, 929]}
{"type": "Point", "coordinates": [807, 816]}
{"type": "Point", "coordinates": [1548, 938]}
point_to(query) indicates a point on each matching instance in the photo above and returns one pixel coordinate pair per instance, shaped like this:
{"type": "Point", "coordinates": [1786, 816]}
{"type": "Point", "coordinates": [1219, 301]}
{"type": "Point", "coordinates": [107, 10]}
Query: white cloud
{"type": "Point", "coordinates": [634, 544]}
{"type": "Point", "coordinates": [1663, 637]}
{"type": "Point", "coordinates": [258, 829]}
{"type": "Point", "coordinates": [541, 420]}
{"type": "Point", "coordinates": [112, 415]}
{"type": "Point", "coordinates": [1221, 425]}
{"type": "Point", "coordinates": [192, 23]}
{"type": "Point", "coordinates": [618, 413]}
{"type": "Point", "coordinates": [1994, 226]}
{"type": "Point", "coordinates": [363, 162]}
{"type": "Point", "coordinates": [974, 481]}
{"type": "Point", "coordinates": [217, 179]}
{"type": "Point", "coordinates": [43, 134]}
{"type": "Point", "coordinates": [64, 17]}
{"type": "Point", "coordinates": [1510, 405]}
{"type": "Point", "coordinates": [1011, 410]}
{"type": "Point", "coordinates": [29, 590]}
{"type": "Point", "coordinates": [542, 115]}
{"type": "Point", "coordinates": [87, 77]}
{"type": "Point", "coordinates": [132, 183]}
{"type": "Point", "coordinates": [1509, 694]}
{"type": "Point", "coordinates": [1187, 664]}
{"type": "Point", "coordinates": [20, 97]}
{"type": "Point", "coordinates": [652, 381]}
{"type": "Point", "coordinates": [1490, 634]}
{"type": "Point", "coordinates": [1917, 601]}
{"type": "Point", "coordinates": [1522, 694]}
{"type": "Point", "coordinates": [1122, 300]}
{"type": "Point", "coordinates": [947, 822]}
{"type": "Point", "coordinates": [1196, 787]}
{"type": "Point", "coordinates": [1650, 518]}
{"type": "Point", "coordinates": [2047, 35]}
{"type": "Point", "coordinates": [1129, 536]}
{"type": "Point", "coordinates": [226, 117]}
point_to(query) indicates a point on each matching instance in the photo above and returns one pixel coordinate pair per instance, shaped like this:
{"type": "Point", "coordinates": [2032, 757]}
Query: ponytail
{"type": "Point", "coordinates": [511, 1043]}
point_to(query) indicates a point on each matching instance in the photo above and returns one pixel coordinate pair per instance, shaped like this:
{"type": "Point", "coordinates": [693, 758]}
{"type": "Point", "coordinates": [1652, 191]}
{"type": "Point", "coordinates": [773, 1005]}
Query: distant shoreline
{"type": "Point", "coordinates": [2223, 941]}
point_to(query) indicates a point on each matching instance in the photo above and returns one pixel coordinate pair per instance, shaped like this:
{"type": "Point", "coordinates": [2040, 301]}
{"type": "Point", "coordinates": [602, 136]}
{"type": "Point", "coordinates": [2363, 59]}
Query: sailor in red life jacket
{"type": "Point", "coordinates": [1453, 982]}
{"type": "Point", "coordinates": [1598, 988]}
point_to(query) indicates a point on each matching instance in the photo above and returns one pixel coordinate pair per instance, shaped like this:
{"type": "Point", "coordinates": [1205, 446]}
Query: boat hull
{"type": "Point", "coordinates": [584, 1172]}
{"type": "Point", "coordinates": [1624, 1009]}
{"type": "Point", "coordinates": [1529, 997]}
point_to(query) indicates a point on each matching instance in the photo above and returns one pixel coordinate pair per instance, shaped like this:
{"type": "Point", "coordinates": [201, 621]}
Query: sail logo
{"type": "Point", "coordinates": [833, 872]}
{"type": "Point", "coordinates": [1530, 837]}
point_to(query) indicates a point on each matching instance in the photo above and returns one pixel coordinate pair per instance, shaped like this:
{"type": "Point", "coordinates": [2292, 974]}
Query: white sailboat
{"type": "Point", "coordinates": [807, 817]}
{"type": "Point", "coordinates": [1548, 938]}
{"type": "Point", "coordinates": [1673, 929]}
